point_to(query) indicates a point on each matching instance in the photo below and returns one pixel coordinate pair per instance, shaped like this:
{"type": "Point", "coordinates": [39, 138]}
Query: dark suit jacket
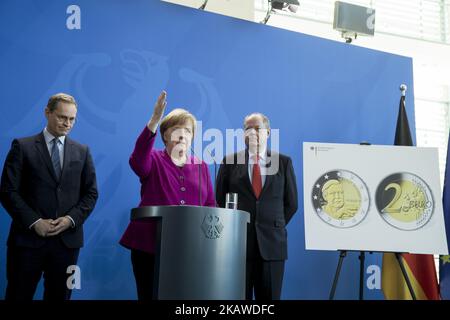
{"type": "Point", "coordinates": [29, 190]}
{"type": "Point", "coordinates": [269, 214]}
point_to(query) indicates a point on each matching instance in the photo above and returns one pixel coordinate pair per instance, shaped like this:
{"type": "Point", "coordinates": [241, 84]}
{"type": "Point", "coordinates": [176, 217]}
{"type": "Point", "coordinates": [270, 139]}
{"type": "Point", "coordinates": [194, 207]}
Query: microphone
{"type": "Point", "coordinates": [199, 173]}
{"type": "Point", "coordinates": [199, 177]}
{"type": "Point", "coordinates": [215, 169]}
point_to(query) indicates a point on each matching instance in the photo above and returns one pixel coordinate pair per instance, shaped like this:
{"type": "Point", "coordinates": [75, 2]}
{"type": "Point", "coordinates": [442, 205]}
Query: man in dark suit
{"type": "Point", "coordinates": [49, 188]}
{"type": "Point", "coordinates": [266, 187]}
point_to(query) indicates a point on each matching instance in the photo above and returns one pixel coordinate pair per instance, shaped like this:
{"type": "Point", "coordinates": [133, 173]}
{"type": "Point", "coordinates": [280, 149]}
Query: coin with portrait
{"type": "Point", "coordinates": [340, 198]}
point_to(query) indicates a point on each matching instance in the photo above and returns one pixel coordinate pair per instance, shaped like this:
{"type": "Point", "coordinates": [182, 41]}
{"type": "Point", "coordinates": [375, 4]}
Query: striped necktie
{"type": "Point", "coordinates": [55, 158]}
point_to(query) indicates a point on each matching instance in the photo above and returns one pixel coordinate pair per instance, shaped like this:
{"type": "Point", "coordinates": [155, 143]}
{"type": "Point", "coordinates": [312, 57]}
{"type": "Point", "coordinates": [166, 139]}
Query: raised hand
{"type": "Point", "coordinates": [158, 112]}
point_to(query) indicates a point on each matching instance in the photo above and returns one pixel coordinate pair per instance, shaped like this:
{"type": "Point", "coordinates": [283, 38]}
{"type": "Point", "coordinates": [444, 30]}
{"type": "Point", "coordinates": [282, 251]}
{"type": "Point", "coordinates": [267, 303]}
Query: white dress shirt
{"type": "Point", "coordinates": [48, 140]}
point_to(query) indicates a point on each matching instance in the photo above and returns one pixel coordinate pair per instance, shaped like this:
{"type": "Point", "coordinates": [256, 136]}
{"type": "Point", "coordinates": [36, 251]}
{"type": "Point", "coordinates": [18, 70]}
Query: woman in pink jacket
{"type": "Point", "coordinates": [168, 177]}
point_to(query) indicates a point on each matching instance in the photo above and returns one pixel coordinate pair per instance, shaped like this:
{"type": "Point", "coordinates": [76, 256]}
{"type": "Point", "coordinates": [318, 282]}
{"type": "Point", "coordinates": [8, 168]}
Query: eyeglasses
{"type": "Point", "coordinates": [254, 128]}
{"type": "Point", "coordinates": [64, 119]}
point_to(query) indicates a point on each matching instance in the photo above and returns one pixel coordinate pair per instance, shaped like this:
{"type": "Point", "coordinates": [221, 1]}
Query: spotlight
{"type": "Point", "coordinates": [284, 5]}
{"type": "Point", "coordinates": [288, 5]}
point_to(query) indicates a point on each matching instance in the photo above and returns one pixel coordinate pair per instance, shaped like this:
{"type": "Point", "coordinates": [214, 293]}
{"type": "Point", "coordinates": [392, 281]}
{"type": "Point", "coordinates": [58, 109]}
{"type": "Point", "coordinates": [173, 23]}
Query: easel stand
{"type": "Point", "coordinates": [343, 254]}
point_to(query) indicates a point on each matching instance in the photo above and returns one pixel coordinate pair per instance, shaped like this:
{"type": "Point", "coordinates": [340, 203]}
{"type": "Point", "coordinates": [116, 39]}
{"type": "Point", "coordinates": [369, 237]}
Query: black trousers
{"type": "Point", "coordinates": [25, 267]}
{"type": "Point", "coordinates": [144, 272]}
{"type": "Point", "coordinates": [264, 279]}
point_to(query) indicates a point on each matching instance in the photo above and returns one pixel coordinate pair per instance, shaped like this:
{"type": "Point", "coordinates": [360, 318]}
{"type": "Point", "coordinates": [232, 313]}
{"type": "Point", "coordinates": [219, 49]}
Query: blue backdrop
{"type": "Point", "coordinates": [218, 67]}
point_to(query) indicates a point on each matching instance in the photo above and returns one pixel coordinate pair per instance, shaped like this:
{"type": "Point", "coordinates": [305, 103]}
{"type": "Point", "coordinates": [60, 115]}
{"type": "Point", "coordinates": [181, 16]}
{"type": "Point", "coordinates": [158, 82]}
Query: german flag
{"type": "Point", "coordinates": [421, 273]}
{"type": "Point", "coordinates": [419, 267]}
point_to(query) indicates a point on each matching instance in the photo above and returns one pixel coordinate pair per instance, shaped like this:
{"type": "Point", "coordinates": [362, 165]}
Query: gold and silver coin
{"type": "Point", "coordinates": [340, 198]}
{"type": "Point", "coordinates": [404, 201]}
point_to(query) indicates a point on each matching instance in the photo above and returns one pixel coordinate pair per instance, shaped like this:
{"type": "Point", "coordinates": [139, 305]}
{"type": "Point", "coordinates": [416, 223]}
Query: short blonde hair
{"type": "Point", "coordinates": [60, 97]}
{"type": "Point", "coordinates": [177, 117]}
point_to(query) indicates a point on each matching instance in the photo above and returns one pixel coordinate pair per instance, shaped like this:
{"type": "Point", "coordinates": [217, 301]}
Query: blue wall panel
{"type": "Point", "coordinates": [218, 67]}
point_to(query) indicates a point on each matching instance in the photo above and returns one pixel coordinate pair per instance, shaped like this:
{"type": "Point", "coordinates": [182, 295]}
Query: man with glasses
{"type": "Point", "coordinates": [266, 186]}
{"type": "Point", "coordinates": [49, 188]}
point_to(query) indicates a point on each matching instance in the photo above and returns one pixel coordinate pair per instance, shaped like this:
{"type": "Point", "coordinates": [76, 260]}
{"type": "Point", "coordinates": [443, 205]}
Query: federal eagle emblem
{"type": "Point", "coordinates": [212, 226]}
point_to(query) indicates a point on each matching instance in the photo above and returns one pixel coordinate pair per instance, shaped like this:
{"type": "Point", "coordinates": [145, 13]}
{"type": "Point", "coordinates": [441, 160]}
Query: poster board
{"type": "Point", "coordinates": [373, 198]}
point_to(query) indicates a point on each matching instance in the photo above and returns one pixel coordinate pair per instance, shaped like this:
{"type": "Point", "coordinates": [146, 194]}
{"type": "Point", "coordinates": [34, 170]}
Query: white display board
{"type": "Point", "coordinates": [372, 198]}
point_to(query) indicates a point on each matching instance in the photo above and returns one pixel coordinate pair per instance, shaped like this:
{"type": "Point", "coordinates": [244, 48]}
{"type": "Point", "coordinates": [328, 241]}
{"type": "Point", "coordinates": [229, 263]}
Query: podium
{"type": "Point", "coordinates": [201, 252]}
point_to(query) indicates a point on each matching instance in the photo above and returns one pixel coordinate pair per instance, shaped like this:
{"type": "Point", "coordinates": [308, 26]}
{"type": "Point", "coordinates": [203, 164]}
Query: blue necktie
{"type": "Point", "coordinates": [55, 158]}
